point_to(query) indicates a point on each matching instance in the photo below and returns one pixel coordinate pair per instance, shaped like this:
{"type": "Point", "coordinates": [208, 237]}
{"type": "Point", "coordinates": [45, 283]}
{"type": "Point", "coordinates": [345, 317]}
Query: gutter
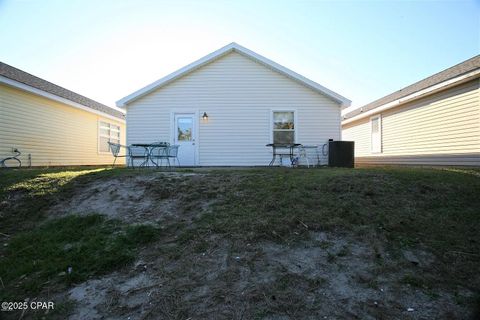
{"type": "Point", "coordinates": [27, 88]}
{"type": "Point", "coordinates": [416, 95]}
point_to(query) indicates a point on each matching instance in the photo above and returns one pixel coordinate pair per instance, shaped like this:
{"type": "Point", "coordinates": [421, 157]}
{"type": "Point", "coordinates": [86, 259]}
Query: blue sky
{"type": "Point", "coordinates": [360, 49]}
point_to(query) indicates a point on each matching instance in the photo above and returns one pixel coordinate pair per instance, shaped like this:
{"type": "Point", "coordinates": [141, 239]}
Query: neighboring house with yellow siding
{"type": "Point", "coordinates": [53, 126]}
{"type": "Point", "coordinates": [435, 121]}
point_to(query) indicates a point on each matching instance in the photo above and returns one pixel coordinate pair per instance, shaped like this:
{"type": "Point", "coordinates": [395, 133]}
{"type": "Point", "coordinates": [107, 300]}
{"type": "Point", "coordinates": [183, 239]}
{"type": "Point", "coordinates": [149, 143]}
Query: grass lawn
{"type": "Point", "coordinates": [267, 243]}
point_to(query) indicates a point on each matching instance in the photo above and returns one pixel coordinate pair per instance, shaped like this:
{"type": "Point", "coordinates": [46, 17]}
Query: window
{"type": "Point", "coordinates": [376, 134]}
{"type": "Point", "coordinates": [283, 127]}
{"type": "Point", "coordinates": [107, 132]}
{"type": "Point", "coordinates": [184, 129]}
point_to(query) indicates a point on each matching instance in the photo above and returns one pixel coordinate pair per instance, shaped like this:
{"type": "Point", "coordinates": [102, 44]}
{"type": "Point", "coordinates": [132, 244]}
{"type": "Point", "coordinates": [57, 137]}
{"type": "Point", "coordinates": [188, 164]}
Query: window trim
{"type": "Point", "coordinates": [379, 117]}
{"type": "Point", "coordinates": [295, 122]}
{"type": "Point", "coordinates": [99, 126]}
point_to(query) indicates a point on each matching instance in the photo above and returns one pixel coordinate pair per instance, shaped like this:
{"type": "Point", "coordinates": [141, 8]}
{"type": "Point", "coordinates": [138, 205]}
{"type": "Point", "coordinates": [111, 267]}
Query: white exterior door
{"type": "Point", "coordinates": [184, 133]}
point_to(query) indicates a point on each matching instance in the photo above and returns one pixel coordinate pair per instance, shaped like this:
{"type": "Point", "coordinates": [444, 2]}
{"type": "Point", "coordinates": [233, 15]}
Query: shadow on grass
{"type": "Point", "coordinates": [69, 250]}
{"type": "Point", "coordinates": [36, 253]}
{"type": "Point", "coordinates": [26, 194]}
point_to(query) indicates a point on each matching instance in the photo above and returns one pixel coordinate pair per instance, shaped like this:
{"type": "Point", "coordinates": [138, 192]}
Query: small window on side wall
{"type": "Point", "coordinates": [283, 127]}
{"type": "Point", "coordinates": [107, 132]}
{"type": "Point", "coordinates": [376, 134]}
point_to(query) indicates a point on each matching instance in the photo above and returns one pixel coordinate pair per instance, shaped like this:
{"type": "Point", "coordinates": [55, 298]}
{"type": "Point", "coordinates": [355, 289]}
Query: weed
{"type": "Point", "coordinates": [324, 245]}
{"type": "Point", "coordinates": [141, 234]}
{"type": "Point", "coordinates": [415, 281]}
{"type": "Point", "coordinates": [343, 252]}
{"type": "Point", "coordinates": [331, 257]}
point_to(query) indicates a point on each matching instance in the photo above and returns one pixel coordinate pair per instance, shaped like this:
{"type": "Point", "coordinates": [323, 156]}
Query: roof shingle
{"type": "Point", "coordinates": [38, 83]}
{"type": "Point", "coordinates": [447, 74]}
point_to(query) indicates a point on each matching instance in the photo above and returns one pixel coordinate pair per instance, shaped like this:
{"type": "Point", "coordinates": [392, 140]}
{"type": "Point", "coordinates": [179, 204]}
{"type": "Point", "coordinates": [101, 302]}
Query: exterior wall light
{"type": "Point", "coordinates": [205, 116]}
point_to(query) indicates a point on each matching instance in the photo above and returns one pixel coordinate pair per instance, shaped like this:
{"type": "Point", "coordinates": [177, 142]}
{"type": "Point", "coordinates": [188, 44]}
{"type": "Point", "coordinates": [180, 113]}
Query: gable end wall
{"type": "Point", "coordinates": [238, 95]}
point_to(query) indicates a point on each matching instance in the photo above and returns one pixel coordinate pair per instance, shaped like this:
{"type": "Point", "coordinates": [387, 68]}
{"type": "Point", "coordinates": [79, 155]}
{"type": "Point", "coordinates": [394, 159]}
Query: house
{"type": "Point", "coordinates": [224, 108]}
{"type": "Point", "coordinates": [435, 121]}
{"type": "Point", "coordinates": [53, 126]}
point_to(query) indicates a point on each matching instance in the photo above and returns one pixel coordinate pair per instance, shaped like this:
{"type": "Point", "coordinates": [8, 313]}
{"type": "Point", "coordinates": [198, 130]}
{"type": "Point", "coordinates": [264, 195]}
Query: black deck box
{"type": "Point", "coordinates": [341, 154]}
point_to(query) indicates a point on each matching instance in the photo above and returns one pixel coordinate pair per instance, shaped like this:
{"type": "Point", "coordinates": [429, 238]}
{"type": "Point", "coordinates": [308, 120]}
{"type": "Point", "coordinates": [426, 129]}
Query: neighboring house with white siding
{"type": "Point", "coordinates": [224, 108]}
{"type": "Point", "coordinates": [435, 121]}
{"type": "Point", "coordinates": [53, 126]}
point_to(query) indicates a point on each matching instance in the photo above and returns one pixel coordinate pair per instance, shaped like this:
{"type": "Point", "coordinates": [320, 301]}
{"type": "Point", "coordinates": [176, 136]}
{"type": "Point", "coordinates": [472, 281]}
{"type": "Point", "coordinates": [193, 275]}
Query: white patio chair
{"type": "Point", "coordinates": [158, 153]}
{"type": "Point", "coordinates": [115, 149]}
{"type": "Point", "coordinates": [305, 152]}
{"type": "Point", "coordinates": [138, 152]}
{"type": "Point", "coordinates": [172, 152]}
{"type": "Point", "coordinates": [166, 152]}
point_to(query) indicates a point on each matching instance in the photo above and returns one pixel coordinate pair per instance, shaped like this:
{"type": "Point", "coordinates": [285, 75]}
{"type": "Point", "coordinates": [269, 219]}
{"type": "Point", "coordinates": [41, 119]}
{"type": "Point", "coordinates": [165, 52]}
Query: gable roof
{"type": "Point", "coordinates": [19, 77]}
{"type": "Point", "coordinates": [443, 77]}
{"type": "Point", "coordinates": [233, 47]}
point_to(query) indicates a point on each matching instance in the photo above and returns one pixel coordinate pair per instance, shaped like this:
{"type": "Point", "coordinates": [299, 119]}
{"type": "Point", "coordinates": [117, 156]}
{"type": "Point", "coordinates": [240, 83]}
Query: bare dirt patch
{"type": "Point", "coordinates": [150, 198]}
{"type": "Point", "coordinates": [330, 276]}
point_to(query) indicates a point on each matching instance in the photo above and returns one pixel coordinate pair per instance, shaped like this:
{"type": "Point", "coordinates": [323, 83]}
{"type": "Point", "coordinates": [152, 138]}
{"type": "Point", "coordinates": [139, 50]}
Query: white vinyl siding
{"type": "Point", "coordinates": [442, 129]}
{"type": "Point", "coordinates": [54, 134]}
{"type": "Point", "coordinates": [238, 95]}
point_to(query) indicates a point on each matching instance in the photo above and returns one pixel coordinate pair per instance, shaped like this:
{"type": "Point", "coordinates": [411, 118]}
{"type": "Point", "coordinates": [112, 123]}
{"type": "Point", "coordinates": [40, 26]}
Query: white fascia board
{"type": "Point", "coordinates": [27, 88]}
{"type": "Point", "coordinates": [175, 75]}
{"type": "Point", "coordinates": [293, 75]}
{"type": "Point", "coordinates": [416, 95]}
{"type": "Point", "coordinates": [221, 52]}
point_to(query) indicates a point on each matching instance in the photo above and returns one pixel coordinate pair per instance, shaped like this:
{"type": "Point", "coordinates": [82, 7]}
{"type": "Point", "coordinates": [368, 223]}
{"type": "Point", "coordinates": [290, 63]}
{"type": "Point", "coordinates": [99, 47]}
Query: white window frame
{"type": "Point", "coordinates": [99, 126]}
{"type": "Point", "coordinates": [380, 137]}
{"type": "Point", "coordinates": [295, 122]}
